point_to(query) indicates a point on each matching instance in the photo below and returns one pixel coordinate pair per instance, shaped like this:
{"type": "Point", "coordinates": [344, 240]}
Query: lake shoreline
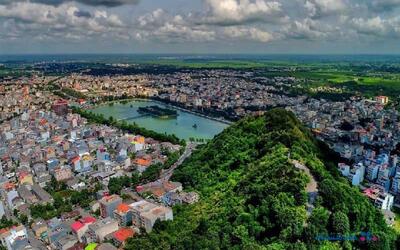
{"type": "Point", "coordinates": [141, 99]}
{"type": "Point", "coordinates": [188, 124]}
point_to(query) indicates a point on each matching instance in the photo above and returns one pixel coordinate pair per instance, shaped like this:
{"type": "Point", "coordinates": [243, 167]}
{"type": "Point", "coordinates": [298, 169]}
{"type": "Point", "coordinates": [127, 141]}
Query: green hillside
{"type": "Point", "coordinates": [253, 197]}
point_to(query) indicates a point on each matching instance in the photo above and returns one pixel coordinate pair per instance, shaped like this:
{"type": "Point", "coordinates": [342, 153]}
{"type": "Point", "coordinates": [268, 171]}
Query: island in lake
{"type": "Point", "coordinates": [159, 112]}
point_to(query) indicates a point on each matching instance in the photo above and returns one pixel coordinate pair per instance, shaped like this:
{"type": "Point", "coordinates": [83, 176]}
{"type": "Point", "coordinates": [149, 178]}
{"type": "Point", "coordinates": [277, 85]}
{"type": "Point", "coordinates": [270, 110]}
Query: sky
{"type": "Point", "coordinates": [200, 26]}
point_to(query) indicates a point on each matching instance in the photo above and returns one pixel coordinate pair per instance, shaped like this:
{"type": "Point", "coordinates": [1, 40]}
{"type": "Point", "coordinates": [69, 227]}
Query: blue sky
{"type": "Point", "coordinates": [200, 26]}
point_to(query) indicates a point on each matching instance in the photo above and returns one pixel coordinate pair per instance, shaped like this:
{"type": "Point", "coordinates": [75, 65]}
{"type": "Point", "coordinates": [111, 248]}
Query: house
{"type": "Point", "coordinates": [123, 214]}
{"type": "Point", "coordinates": [383, 100]}
{"type": "Point", "coordinates": [108, 205]}
{"type": "Point", "coordinates": [70, 215]}
{"type": "Point", "coordinates": [25, 178]}
{"type": "Point", "coordinates": [102, 155]}
{"type": "Point", "coordinates": [142, 163]}
{"type": "Point", "coordinates": [379, 197]}
{"type": "Point", "coordinates": [57, 230]}
{"type": "Point", "coordinates": [98, 230]}
{"type": "Point", "coordinates": [86, 163]}
{"type": "Point", "coordinates": [106, 246]}
{"type": "Point", "coordinates": [159, 213]}
{"type": "Point", "coordinates": [372, 172]}
{"type": "Point", "coordinates": [76, 163]}
{"type": "Point", "coordinates": [27, 195]}
{"type": "Point", "coordinates": [42, 194]}
{"type": "Point", "coordinates": [80, 227]}
{"type": "Point", "coordinates": [396, 183]}
{"type": "Point", "coordinates": [66, 242]}
{"type": "Point", "coordinates": [122, 235]}
{"type": "Point", "coordinates": [384, 182]}
{"type": "Point", "coordinates": [39, 228]}
{"type": "Point", "coordinates": [160, 189]}
{"type": "Point", "coordinates": [11, 196]}
{"type": "Point", "coordinates": [145, 214]}
{"type": "Point", "coordinates": [138, 143]}
{"type": "Point", "coordinates": [62, 173]}
{"type": "Point", "coordinates": [344, 169]}
{"type": "Point", "coordinates": [13, 237]}
{"type": "Point", "coordinates": [356, 175]}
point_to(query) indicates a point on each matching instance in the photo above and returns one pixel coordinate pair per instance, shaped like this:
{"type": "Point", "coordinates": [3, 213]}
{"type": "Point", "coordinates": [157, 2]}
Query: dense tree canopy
{"type": "Point", "coordinates": [253, 197]}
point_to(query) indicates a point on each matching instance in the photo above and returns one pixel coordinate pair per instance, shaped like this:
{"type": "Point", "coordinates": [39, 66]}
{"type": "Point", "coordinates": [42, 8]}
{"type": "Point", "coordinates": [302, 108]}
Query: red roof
{"type": "Point", "coordinates": [123, 234]}
{"type": "Point", "coordinates": [123, 208]}
{"type": "Point", "coordinates": [75, 159]}
{"type": "Point", "coordinates": [76, 226]}
{"type": "Point", "coordinates": [23, 174]}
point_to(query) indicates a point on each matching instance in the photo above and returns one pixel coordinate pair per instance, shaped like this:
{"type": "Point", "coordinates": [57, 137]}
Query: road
{"type": "Point", "coordinates": [312, 186]}
{"type": "Point", "coordinates": [166, 174]}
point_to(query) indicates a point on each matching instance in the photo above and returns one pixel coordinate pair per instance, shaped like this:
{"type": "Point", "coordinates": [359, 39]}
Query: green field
{"type": "Point", "coordinates": [218, 64]}
{"type": "Point", "coordinates": [6, 72]}
{"type": "Point", "coordinates": [350, 78]}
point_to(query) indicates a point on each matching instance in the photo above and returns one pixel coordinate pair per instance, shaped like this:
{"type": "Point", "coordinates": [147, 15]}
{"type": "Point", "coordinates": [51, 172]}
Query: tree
{"type": "Point", "coordinates": [340, 223]}
{"type": "Point", "coordinates": [252, 197]}
{"type": "Point", "coordinates": [23, 219]}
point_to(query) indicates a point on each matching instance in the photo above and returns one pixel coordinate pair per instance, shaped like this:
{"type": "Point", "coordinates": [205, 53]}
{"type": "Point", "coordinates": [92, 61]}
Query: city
{"type": "Point", "coordinates": [79, 183]}
{"type": "Point", "coordinates": [203, 124]}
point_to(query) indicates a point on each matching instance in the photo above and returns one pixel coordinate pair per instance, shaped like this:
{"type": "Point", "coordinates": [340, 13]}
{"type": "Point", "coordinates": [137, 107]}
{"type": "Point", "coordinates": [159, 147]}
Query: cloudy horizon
{"type": "Point", "coordinates": [200, 26]}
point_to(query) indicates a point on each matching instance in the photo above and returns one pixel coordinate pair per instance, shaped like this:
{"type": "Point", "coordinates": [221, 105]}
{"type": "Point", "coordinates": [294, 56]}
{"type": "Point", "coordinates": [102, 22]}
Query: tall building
{"type": "Point", "coordinates": [145, 214]}
{"type": "Point", "coordinates": [108, 205]}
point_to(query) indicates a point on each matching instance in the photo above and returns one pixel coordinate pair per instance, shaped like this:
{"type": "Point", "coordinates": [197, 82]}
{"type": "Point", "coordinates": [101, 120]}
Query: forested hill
{"type": "Point", "coordinates": [253, 197]}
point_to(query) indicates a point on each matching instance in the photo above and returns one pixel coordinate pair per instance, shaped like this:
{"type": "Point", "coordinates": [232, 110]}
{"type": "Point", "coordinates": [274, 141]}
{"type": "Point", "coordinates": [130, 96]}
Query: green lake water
{"type": "Point", "coordinates": [181, 126]}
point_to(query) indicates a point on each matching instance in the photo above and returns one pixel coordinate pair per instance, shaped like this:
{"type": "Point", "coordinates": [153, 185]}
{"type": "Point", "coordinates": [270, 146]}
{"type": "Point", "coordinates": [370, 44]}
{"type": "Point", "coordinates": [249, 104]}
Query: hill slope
{"type": "Point", "coordinates": [253, 197]}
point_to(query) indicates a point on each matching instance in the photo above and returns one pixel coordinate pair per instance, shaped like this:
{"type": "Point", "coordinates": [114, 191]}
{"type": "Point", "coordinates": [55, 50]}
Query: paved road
{"type": "Point", "coordinates": [166, 174]}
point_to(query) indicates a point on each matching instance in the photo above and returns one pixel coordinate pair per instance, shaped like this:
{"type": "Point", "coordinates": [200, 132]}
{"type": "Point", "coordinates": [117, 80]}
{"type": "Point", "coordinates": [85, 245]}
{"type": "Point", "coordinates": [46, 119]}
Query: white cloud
{"type": "Point", "coordinates": [262, 21]}
{"type": "Point", "coordinates": [41, 20]}
{"type": "Point", "coordinates": [162, 26]}
{"type": "Point", "coordinates": [308, 29]}
{"type": "Point", "coordinates": [322, 8]}
{"type": "Point", "coordinates": [245, 33]}
{"type": "Point", "coordinates": [376, 26]}
{"type": "Point", "coordinates": [231, 12]}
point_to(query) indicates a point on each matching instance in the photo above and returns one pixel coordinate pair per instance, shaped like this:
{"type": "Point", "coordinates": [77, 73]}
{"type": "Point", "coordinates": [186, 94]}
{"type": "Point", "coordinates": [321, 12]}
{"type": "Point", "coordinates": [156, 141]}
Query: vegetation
{"type": "Point", "coordinates": [252, 197]}
{"type": "Point", "coordinates": [131, 128]}
{"type": "Point", "coordinates": [115, 185]}
{"type": "Point", "coordinates": [5, 223]}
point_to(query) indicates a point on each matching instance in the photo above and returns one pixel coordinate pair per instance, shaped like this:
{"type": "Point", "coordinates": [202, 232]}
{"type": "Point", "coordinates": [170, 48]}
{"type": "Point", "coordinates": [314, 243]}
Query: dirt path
{"type": "Point", "coordinates": [312, 186]}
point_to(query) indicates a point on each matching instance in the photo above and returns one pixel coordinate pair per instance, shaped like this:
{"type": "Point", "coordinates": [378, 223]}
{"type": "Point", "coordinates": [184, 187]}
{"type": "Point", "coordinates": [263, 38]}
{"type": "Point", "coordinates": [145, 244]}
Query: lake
{"type": "Point", "coordinates": [182, 126]}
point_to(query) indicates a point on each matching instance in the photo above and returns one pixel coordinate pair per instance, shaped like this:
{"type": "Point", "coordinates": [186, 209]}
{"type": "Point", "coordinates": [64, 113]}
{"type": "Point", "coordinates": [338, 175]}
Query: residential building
{"type": "Point", "coordinates": [100, 229]}
{"type": "Point", "coordinates": [123, 214]}
{"type": "Point", "coordinates": [15, 236]}
{"type": "Point", "coordinates": [145, 214]}
{"type": "Point", "coordinates": [108, 205]}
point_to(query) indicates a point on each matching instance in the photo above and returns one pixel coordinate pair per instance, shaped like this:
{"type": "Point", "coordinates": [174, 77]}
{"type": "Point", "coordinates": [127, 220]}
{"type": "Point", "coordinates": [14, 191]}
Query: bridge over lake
{"type": "Point", "coordinates": [133, 117]}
